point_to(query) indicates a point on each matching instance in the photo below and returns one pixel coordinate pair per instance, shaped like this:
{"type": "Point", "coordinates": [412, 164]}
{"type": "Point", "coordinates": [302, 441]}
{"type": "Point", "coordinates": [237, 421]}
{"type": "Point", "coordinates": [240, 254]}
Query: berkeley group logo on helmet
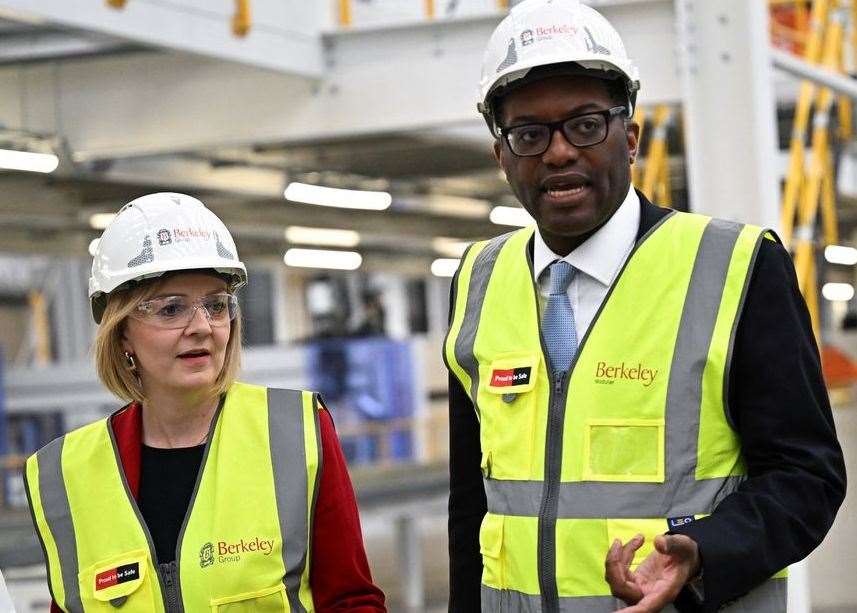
{"type": "Point", "coordinates": [186, 234]}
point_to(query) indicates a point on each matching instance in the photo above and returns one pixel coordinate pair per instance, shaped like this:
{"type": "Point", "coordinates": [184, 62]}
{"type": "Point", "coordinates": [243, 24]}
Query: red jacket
{"type": "Point", "coordinates": [339, 576]}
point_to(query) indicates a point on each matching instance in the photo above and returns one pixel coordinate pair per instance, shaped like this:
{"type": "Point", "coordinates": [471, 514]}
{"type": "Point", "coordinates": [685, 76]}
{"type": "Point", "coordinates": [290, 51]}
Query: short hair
{"type": "Point", "coordinates": [618, 93]}
{"type": "Point", "coordinates": [110, 362]}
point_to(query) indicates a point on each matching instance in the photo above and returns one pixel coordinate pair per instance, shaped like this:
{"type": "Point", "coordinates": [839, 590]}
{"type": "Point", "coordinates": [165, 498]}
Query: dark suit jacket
{"type": "Point", "coordinates": [778, 404]}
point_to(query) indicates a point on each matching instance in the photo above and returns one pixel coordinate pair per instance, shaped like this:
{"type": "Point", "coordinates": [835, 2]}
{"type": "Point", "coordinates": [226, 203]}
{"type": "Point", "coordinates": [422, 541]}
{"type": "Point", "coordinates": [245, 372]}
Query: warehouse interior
{"type": "Point", "coordinates": [339, 142]}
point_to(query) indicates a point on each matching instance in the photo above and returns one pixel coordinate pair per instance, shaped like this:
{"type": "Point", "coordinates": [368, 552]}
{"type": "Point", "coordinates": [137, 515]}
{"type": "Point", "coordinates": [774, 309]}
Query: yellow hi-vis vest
{"type": "Point", "coordinates": [637, 434]}
{"type": "Point", "coordinates": [244, 544]}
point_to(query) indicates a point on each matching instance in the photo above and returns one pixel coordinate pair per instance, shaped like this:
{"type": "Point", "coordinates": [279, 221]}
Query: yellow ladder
{"type": "Point", "coordinates": [654, 179]}
{"type": "Point", "coordinates": [809, 186]}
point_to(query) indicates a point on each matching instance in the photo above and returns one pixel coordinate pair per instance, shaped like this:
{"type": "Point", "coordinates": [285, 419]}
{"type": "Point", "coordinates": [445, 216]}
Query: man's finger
{"type": "Point", "coordinates": [630, 548]}
{"type": "Point", "coordinates": [653, 602]}
{"type": "Point", "coordinates": [663, 543]}
{"type": "Point", "coordinates": [676, 546]}
{"type": "Point", "coordinates": [615, 551]}
{"type": "Point", "coordinates": [615, 570]}
{"type": "Point", "coordinates": [617, 573]}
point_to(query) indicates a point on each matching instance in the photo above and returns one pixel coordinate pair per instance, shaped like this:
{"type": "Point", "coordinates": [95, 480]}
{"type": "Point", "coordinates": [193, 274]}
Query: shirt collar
{"type": "Point", "coordinates": [602, 255]}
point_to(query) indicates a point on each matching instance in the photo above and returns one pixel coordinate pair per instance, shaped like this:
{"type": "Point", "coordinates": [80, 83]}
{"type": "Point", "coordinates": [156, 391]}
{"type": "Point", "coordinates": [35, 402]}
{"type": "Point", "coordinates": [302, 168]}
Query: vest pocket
{"type": "Point", "coordinates": [491, 548]}
{"type": "Point", "coordinates": [121, 581]}
{"type": "Point", "coordinates": [485, 464]}
{"type": "Point", "coordinates": [629, 450]}
{"type": "Point", "coordinates": [509, 414]}
{"type": "Point", "coordinates": [269, 600]}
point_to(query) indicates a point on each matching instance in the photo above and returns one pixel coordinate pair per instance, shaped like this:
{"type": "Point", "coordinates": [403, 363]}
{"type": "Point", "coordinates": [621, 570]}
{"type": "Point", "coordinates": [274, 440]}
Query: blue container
{"type": "Point", "coordinates": [367, 383]}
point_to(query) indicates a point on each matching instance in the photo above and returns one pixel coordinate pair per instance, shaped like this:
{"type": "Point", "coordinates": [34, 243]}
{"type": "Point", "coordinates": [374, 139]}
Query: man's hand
{"type": "Point", "coordinates": [658, 579]}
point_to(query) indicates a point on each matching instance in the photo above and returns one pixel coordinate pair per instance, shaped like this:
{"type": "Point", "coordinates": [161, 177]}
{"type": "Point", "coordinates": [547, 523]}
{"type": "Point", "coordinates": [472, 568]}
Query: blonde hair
{"type": "Point", "coordinates": [110, 361]}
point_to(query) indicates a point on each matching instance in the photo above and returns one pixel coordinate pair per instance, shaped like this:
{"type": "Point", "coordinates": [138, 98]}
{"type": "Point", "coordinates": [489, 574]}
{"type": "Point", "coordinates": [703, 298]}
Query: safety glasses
{"type": "Point", "coordinates": [172, 312]}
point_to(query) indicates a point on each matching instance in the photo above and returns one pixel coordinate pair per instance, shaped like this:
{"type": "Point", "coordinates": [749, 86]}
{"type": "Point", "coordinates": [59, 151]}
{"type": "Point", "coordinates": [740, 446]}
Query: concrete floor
{"type": "Point", "coordinates": [387, 569]}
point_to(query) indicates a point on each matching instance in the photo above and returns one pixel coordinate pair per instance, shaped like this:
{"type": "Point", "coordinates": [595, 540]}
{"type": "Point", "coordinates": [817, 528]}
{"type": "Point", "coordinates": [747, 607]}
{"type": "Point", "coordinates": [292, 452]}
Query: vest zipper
{"type": "Point", "coordinates": [546, 544]}
{"type": "Point", "coordinates": [550, 498]}
{"type": "Point", "coordinates": [170, 581]}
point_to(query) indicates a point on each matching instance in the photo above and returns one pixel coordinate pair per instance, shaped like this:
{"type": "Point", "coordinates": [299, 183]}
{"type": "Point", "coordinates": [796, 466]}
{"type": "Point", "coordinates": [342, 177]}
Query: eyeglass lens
{"type": "Point", "coordinates": [177, 311]}
{"type": "Point", "coordinates": [580, 131]}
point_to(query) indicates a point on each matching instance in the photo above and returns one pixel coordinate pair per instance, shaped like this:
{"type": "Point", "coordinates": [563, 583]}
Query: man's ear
{"type": "Point", "coordinates": [498, 149]}
{"type": "Point", "coordinates": [632, 134]}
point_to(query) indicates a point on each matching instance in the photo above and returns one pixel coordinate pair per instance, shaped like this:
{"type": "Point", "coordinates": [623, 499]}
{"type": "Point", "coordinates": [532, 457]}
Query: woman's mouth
{"type": "Point", "coordinates": [195, 356]}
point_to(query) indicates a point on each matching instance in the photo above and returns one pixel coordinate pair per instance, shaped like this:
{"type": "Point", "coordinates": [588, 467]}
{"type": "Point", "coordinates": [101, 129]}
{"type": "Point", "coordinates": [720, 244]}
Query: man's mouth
{"type": "Point", "coordinates": [565, 187]}
{"type": "Point", "coordinates": [565, 192]}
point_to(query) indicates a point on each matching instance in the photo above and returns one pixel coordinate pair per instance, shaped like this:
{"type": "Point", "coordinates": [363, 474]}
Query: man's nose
{"type": "Point", "coordinates": [560, 152]}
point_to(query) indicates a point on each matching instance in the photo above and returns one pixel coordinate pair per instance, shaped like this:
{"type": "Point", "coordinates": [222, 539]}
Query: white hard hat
{"type": "Point", "coordinates": [552, 32]}
{"type": "Point", "coordinates": [156, 234]}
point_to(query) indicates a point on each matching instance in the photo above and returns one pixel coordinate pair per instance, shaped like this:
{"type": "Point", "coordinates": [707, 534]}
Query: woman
{"type": "Point", "coordinates": [202, 494]}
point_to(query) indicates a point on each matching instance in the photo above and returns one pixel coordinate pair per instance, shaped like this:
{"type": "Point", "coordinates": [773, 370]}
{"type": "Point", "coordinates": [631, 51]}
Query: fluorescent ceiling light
{"type": "Point", "coordinates": [342, 198]}
{"type": "Point", "coordinates": [93, 246]}
{"type": "Point", "coordinates": [28, 161]}
{"type": "Point", "coordinates": [100, 221]}
{"type": "Point", "coordinates": [322, 258]}
{"type": "Point", "coordinates": [456, 205]}
{"type": "Point", "coordinates": [838, 292]}
{"type": "Point", "coordinates": [510, 216]}
{"type": "Point", "coordinates": [17, 15]}
{"type": "Point", "coordinates": [322, 236]}
{"type": "Point", "coordinates": [444, 267]}
{"type": "Point", "coordinates": [451, 247]}
{"type": "Point", "coordinates": [837, 254]}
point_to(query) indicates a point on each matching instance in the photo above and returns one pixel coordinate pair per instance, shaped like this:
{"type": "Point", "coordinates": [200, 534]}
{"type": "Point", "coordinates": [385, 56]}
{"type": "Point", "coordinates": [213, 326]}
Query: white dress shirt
{"type": "Point", "coordinates": [597, 261]}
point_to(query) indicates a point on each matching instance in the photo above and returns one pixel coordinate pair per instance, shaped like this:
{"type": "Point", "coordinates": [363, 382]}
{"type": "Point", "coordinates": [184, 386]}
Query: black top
{"type": "Point", "coordinates": [778, 404]}
{"type": "Point", "coordinates": [167, 479]}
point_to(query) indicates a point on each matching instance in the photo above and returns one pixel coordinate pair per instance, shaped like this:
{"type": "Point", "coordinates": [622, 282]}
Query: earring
{"type": "Point", "coordinates": [132, 365]}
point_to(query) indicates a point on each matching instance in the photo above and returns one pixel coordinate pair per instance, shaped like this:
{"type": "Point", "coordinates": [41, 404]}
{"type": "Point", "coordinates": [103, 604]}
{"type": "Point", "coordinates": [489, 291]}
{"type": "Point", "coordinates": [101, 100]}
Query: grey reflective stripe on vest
{"type": "Point", "coordinates": [288, 457]}
{"type": "Point", "coordinates": [699, 315]}
{"type": "Point", "coordinates": [480, 275]}
{"type": "Point", "coordinates": [58, 516]}
{"type": "Point", "coordinates": [508, 601]}
{"type": "Point", "coordinates": [770, 597]}
{"type": "Point", "coordinates": [588, 499]}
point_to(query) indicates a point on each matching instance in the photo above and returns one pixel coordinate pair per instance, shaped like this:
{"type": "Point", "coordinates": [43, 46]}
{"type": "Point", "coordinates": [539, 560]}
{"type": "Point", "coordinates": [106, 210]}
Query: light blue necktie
{"type": "Point", "coordinates": [558, 324]}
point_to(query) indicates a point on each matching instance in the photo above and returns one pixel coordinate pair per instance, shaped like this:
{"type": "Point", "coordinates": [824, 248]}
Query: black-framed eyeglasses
{"type": "Point", "coordinates": [584, 130]}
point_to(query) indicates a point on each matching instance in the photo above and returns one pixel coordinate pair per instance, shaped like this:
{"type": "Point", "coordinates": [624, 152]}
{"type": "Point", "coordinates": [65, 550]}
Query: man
{"type": "Point", "coordinates": [637, 413]}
